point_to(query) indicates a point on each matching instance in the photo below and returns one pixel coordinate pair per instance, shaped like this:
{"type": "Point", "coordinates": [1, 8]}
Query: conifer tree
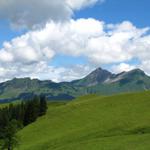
{"type": "Point", "coordinates": [9, 139]}
{"type": "Point", "coordinates": [43, 105]}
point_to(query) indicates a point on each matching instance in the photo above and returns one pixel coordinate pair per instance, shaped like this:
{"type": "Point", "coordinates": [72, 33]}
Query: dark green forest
{"type": "Point", "coordinates": [16, 116]}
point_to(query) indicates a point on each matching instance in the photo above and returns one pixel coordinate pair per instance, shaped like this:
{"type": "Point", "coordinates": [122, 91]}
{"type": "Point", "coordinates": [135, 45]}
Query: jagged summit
{"type": "Point", "coordinates": [99, 81]}
{"type": "Point", "coordinates": [97, 76]}
{"type": "Point", "coordinates": [135, 74]}
{"type": "Point", "coordinates": [136, 71]}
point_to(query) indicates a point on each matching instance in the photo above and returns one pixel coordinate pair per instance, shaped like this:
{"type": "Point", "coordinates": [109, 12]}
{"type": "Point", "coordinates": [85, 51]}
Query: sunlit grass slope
{"type": "Point", "coordinates": [120, 122]}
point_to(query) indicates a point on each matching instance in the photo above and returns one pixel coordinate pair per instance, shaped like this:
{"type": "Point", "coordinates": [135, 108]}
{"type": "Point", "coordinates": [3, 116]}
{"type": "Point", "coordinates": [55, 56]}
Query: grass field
{"type": "Point", "coordinates": [120, 122]}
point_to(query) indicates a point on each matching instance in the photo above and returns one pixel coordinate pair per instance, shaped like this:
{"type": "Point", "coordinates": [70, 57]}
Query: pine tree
{"type": "Point", "coordinates": [32, 110]}
{"type": "Point", "coordinates": [13, 117]}
{"type": "Point", "coordinates": [43, 105]}
{"type": "Point", "coordinates": [9, 139]}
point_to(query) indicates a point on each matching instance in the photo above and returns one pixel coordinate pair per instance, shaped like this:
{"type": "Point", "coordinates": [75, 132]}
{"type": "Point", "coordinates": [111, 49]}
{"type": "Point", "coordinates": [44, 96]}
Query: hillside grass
{"type": "Point", "coordinates": [119, 122]}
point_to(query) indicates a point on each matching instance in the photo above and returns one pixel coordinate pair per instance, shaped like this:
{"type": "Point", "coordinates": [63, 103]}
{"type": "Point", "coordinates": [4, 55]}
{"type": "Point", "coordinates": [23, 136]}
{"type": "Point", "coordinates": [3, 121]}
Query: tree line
{"type": "Point", "coordinates": [15, 116]}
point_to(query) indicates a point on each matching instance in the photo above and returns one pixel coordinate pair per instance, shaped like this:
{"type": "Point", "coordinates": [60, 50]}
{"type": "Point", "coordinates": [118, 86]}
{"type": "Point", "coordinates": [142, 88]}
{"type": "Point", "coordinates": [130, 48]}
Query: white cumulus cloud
{"type": "Point", "coordinates": [28, 13]}
{"type": "Point", "coordinates": [95, 40]}
{"type": "Point", "coordinates": [78, 4]}
{"type": "Point", "coordinates": [122, 67]}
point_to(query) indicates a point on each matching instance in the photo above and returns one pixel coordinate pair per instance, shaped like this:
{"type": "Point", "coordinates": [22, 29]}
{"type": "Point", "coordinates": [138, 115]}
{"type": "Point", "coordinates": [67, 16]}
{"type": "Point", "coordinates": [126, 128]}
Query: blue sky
{"type": "Point", "coordinates": [81, 43]}
{"type": "Point", "coordinates": [115, 11]}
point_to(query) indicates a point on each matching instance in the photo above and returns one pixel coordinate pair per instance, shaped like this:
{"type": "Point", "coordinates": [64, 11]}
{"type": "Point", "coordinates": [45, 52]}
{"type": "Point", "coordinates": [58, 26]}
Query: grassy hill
{"type": "Point", "coordinates": [120, 122]}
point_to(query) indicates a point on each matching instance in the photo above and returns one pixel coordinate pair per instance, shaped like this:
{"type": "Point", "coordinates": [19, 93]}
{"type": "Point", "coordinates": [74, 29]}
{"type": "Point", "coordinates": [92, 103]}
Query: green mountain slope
{"type": "Point", "coordinates": [92, 122]}
{"type": "Point", "coordinates": [25, 88]}
{"type": "Point", "coordinates": [135, 80]}
{"type": "Point", "coordinates": [99, 81]}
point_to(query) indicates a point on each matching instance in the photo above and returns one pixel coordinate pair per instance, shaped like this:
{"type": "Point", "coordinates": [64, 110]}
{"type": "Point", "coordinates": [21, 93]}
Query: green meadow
{"type": "Point", "coordinates": [92, 122]}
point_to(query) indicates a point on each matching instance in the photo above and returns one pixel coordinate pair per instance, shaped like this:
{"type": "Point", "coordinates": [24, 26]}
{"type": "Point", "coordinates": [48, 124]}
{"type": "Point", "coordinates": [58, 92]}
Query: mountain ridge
{"type": "Point", "coordinates": [97, 76]}
{"type": "Point", "coordinates": [99, 81]}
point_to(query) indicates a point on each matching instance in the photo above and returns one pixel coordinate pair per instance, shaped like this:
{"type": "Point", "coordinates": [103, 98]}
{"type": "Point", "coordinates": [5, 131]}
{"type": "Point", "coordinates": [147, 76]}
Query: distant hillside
{"type": "Point", "coordinates": [97, 82]}
{"type": "Point", "coordinates": [25, 88]}
{"type": "Point", "coordinates": [119, 122]}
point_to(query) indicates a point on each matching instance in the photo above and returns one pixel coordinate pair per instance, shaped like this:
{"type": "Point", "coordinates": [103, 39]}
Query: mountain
{"type": "Point", "coordinates": [134, 80]}
{"type": "Point", "coordinates": [92, 122]}
{"type": "Point", "coordinates": [98, 76]}
{"type": "Point", "coordinates": [99, 81]}
{"type": "Point", "coordinates": [125, 77]}
{"type": "Point", "coordinates": [24, 88]}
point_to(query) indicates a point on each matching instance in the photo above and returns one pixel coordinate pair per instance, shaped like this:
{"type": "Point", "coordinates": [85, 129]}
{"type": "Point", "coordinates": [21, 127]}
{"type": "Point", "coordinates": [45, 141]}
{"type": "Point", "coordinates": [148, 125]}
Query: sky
{"type": "Point", "coordinates": [64, 40]}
